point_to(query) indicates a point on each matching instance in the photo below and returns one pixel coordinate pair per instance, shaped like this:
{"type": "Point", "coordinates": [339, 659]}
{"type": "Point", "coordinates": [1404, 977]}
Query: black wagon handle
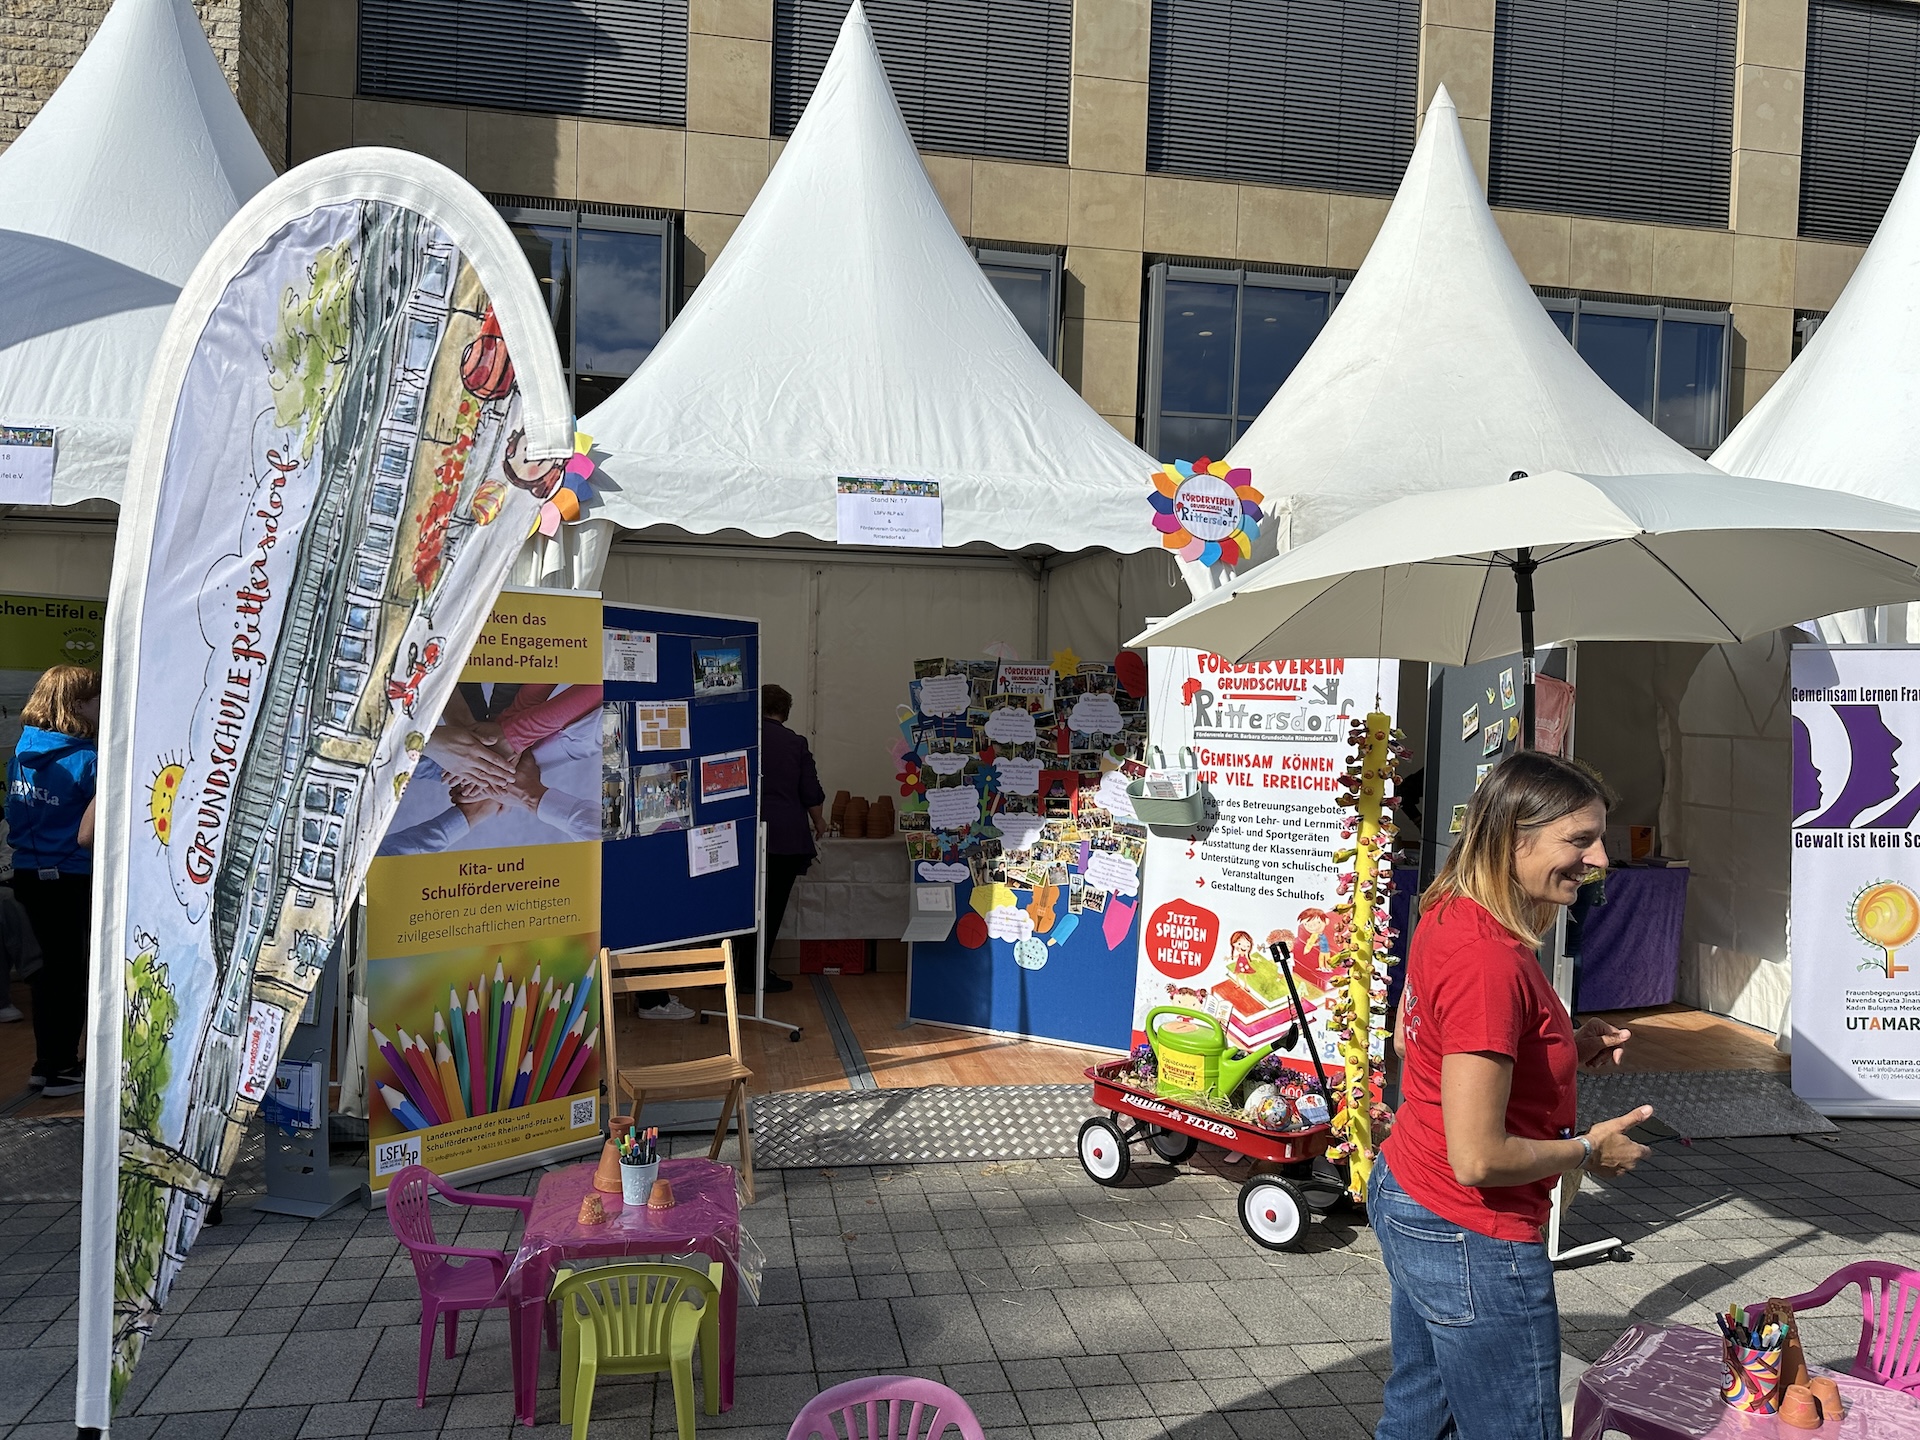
{"type": "Point", "coordinates": [1283, 958]}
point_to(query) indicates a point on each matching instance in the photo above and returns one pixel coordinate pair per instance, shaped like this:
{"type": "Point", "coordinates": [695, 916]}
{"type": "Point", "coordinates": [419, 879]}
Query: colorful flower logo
{"type": "Point", "coordinates": [1206, 511]}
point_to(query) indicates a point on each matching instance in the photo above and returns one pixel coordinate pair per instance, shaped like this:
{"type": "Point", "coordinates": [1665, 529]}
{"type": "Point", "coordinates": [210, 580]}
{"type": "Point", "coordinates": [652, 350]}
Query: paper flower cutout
{"type": "Point", "coordinates": [575, 492]}
{"type": "Point", "coordinates": [911, 781]}
{"type": "Point", "coordinates": [1206, 511]}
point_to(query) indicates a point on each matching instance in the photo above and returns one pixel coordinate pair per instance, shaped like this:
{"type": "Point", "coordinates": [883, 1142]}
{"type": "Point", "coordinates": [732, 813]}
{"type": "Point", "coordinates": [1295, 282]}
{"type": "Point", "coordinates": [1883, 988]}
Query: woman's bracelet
{"type": "Point", "coordinates": [1586, 1153]}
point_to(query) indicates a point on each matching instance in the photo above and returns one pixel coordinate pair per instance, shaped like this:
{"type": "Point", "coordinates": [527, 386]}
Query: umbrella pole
{"type": "Point", "coordinates": [1523, 567]}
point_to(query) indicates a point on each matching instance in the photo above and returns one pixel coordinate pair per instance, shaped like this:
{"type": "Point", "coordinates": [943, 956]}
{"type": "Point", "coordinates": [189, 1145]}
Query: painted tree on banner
{"type": "Point", "coordinates": [342, 428]}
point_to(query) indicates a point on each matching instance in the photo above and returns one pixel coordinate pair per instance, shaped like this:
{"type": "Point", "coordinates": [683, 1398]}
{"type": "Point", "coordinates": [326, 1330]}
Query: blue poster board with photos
{"type": "Point", "coordinates": [680, 772]}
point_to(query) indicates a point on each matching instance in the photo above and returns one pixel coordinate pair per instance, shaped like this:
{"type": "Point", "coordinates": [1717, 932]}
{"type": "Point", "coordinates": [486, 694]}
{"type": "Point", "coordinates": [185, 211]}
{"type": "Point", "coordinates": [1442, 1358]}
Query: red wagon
{"type": "Point", "coordinates": [1273, 1208]}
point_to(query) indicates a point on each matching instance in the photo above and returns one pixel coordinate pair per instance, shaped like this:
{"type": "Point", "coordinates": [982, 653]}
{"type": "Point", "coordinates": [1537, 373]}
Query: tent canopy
{"type": "Point", "coordinates": [1438, 369]}
{"type": "Point", "coordinates": [107, 201]}
{"type": "Point", "coordinates": [1846, 415]}
{"type": "Point", "coordinates": [846, 331]}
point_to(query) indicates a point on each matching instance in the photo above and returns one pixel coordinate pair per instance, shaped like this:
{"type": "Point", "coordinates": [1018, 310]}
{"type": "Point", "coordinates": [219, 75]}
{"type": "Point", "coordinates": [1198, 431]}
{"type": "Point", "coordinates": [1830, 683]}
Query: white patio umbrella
{"type": "Point", "coordinates": [1463, 575]}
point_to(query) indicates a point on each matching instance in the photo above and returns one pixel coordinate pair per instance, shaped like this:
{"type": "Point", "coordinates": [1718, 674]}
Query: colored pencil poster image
{"type": "Point", "coordinates": [1270, 741]}
{"type": "Point", "coordinates": [1856, 879]}
{"type": "Point", "coordinates": [328, 487]}
{"type": "Point", "coordinates": [483, 909]}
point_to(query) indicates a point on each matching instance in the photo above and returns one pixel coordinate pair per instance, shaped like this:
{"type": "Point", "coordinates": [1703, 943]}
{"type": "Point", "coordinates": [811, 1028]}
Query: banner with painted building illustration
{"type": "Point", "coordinates": [1856, 879]}
{"type": "Point", "coordinates": [1269, 742]}
{"type": "Point", "coordinates": [483, 910]}
{"type": "Point", "coordinates": [354, 414]}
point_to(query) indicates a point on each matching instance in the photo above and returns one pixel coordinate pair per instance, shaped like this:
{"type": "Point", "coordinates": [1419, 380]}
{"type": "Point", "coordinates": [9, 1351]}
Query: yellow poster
{"type": "Point", "coordinates": [483, 909]}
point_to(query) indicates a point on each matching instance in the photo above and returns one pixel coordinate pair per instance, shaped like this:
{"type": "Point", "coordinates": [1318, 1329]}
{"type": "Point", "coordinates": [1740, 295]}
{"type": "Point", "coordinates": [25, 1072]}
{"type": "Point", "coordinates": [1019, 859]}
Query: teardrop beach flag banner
{"type": "Point", "coordinates": [354, 414]}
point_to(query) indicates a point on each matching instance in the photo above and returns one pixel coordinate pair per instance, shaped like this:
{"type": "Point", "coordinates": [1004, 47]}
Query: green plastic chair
{"type": "Point", "coordinates": [637, 1319]}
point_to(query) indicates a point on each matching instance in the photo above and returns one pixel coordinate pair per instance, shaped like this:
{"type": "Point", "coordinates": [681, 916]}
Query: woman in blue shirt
{"type": "Point", "coordinates": [50, 789]}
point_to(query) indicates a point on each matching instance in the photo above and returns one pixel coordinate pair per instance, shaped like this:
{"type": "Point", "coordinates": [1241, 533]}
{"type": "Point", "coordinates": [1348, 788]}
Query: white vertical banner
{"type": "Point", "coordinates": [1269, 740]}
{"type": "Point", "coordinates": [352, 418]}
{"type": "Point", "coordinates": [1856, 878]}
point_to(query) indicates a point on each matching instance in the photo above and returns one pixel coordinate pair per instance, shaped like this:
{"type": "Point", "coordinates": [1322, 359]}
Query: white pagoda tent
{"type": "Point", "coordinates": [108, 199]}
{"type": "Point", "coordinates": [846, 331]}
{"type": "Point", "coordinates": [1439, 368]}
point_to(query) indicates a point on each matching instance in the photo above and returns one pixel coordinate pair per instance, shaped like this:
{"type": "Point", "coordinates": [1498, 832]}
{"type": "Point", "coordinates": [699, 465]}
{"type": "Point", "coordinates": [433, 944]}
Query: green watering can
{"type": "Point", "coordinates": [1192, 1054]}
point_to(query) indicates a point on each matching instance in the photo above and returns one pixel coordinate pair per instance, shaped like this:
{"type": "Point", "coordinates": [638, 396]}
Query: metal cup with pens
{"type": "Point", "coordinates": [1171, 798]}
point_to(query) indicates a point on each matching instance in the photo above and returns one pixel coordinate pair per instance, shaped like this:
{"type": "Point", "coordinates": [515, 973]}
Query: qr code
{"type": "Point", "coordinates": [583, 1112]}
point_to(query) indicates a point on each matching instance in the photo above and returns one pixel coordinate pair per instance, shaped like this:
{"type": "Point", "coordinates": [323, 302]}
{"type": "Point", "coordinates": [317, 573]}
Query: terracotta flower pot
{"type": "Point", "coordinates": [1799, 1409]}
{"type": "Point", "coordinates": [1826, 1390]}
{"type": "Point", "coordinates": [606, 1175]}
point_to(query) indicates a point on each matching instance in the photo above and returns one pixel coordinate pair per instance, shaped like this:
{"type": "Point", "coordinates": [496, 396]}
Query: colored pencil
{"type": "Point", "coordinates": [449, 1081]}
{"type": "Point", "coordinates": [545, 1062]}
{"type": "Point", "coordinates": [521, 1081]}
{"type": "Point", "coordinates": [580, 1058]}
{"type": "Point", "coordinates": [459, 1043]}
{"type": "Point", "coordinates": [403, 1109]}
{"type": "Point", "coordinates": [580, 996]}
{"type": "Point", "coordinates": [516, 1042]}
{"type": "Point", "coordinates": [539, 1049]}
{"type": "Point", "coordinates": [509, 1027]}
{"type": "Point", "coordinates": [496, 1031]}
{"type": "Point", "coordinates": [402, 1072]}
{"type": "Point", "coordinates": [560, 1062]}
{"type": "Point", "coordinates": [414, 1050]}
{"type": "Point", "coordinates": [476, 1053]}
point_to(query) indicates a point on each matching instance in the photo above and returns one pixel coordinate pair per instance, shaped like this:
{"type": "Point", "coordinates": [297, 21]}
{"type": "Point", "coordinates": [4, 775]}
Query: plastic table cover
{"type": "Point", "coordinates": [704, 1221]}
{"type": "Point", "coordinates": [1664, 1384]}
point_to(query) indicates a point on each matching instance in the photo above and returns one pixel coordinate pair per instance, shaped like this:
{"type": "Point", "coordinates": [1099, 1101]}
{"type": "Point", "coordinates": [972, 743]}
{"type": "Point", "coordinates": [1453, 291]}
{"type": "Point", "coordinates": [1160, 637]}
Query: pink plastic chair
{"type": "Point", "coordinates": [882, 1399]}
{"type": "Point", "coordinates": [452, 1278]}
{"type": "Point", "coordinates": [1889, 1320]}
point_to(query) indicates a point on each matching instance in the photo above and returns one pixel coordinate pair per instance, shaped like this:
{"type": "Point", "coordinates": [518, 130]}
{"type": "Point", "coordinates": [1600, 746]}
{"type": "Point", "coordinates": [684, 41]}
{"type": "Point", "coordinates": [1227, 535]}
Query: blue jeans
{"type": "Point", "coordinates": [1476, 1330]}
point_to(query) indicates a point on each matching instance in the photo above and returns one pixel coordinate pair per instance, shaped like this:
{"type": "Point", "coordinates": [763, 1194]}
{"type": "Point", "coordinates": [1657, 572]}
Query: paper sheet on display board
{"type": "Point", "coordinates": [1856, 879]}
{"type": "Point", "coordinates": [1270, 738]}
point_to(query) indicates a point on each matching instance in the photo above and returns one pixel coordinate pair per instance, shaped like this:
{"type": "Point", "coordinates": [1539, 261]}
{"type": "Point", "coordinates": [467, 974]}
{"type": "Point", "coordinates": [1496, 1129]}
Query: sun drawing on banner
{"type": "Point", "coordinates": [1207, 511]}
{"type": "Point", "coordinates": [1886, 914]}
{"type": "Point", "coordinates": [161, 795]}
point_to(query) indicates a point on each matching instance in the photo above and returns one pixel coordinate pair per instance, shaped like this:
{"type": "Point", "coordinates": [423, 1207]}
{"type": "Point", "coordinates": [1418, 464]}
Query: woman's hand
{"type": "Point", "coordinates": [467, 756]}
{"type": "Point", "coordinates": [1613, 1152]}
{"type": "Point", "coordinates": [1600, 1044]}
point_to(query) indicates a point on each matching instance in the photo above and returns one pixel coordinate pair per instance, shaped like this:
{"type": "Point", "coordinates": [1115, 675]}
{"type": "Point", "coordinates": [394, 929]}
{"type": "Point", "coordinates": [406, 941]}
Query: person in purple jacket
{"type": "Point", "coordinates": [790, 801]}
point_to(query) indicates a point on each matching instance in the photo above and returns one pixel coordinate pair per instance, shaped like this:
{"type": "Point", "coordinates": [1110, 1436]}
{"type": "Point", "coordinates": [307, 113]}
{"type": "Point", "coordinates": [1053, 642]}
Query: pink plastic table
{"type": "Point", "coordinates": [705, 1218]}
{"type": "Point", "coordinates": [1664, 1384]}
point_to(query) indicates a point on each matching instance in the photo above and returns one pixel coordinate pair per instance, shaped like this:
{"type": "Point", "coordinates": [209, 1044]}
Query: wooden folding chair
{"type": "Point", "coordinates": [633, 971]}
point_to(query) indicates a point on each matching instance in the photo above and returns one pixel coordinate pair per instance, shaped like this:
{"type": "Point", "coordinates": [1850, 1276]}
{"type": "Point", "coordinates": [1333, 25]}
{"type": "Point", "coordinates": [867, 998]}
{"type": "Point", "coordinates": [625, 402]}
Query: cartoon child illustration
{"type": "Point", "coordinates": [1311, 944]}
{"type": "Point", "coordinates": [1241, 948]}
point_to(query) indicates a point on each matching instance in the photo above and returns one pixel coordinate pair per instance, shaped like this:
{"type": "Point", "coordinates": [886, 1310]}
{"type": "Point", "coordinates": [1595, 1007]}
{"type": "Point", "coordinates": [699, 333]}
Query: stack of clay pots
{"type": "Point", "coordinates": [853, 820]}
{"type": "Point", "coordinates": [836, 817]}
{"type": "Point", "coordinates": [880, 818]}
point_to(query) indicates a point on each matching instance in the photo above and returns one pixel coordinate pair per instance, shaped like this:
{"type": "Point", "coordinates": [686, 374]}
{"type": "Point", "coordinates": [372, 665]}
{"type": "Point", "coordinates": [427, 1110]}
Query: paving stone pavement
{"type": "Point", "coordinates": [1059, 1309]}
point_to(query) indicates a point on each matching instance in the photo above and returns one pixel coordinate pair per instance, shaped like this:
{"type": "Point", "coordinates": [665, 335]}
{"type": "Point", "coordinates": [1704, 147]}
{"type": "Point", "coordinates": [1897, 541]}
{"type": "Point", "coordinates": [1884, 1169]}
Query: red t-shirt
{"type": "Point", "coordinates": [1473, 987]}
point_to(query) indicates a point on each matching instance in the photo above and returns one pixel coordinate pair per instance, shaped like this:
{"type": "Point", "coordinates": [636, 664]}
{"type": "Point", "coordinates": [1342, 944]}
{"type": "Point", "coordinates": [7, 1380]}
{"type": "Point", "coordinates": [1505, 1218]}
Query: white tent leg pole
{"type": "Point", "coordinates": [759, 1015]}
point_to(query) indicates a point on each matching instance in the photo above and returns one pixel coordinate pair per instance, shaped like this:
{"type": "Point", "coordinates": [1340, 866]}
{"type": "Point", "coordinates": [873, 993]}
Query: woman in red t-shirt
{"type": "Point", "coordinates": [1485, 1125]}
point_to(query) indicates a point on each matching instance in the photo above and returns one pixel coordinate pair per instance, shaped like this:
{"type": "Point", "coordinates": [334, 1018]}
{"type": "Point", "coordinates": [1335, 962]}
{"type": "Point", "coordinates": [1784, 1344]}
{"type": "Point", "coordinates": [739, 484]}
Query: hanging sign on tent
{"type": "Point", "coordinates": [26, 464]}
{"type": "Point", "coordinates": [326, 492]}
{"type": "Point", "coordinates": [904, 513]}
{"type": "Point", "coordinates": [1207, 511]}
{"type": "Point", "coordinates": [1856, 879]}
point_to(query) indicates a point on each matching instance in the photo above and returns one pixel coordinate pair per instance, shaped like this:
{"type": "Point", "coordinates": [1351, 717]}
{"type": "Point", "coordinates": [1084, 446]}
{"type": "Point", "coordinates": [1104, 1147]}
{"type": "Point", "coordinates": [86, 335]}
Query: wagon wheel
{"type": "Point", "coordinates": [1171, 1146]}
{"type": "Point", "coordinates": [1103, 1152]}
{"type": "Point", "coordinates": [1273, 1212]}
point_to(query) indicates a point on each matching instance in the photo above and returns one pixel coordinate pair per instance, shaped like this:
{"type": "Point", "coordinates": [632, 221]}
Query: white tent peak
{"type": "Point", "coordinates": [846, 331]}
{"type": "Point", "coordinates": [1846, 415]}
{"type": "Point", "coordinates": [108, 199]}
{"type": "Point", "coordinates": [1439, 368]}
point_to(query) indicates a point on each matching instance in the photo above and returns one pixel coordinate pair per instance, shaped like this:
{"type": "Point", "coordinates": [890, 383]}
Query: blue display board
{"type": "Point", "coordinates": [1082, 993]}
{"type": "Point", "coordinates": [649, 895]}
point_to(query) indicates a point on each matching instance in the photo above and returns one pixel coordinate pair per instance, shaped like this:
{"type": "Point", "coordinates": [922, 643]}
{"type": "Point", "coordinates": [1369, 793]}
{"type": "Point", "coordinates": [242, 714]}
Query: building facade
{"type": "Point", "coordinates": [1171, 194]}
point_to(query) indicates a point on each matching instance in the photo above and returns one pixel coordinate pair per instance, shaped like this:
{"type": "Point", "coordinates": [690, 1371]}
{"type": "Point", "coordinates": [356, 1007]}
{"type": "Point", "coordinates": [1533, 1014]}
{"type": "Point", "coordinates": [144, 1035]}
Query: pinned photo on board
{"type": "Point", "coordinates": [662, 797]}
{"type": "Point", "coordinates": [1507, 698]}
{"type": "Point", "coordinates": [1469, 722]}
{"type": "Point", "coordinates": [1490, 739]}
{"type": "Point", "coordinates": [1459, 820]}
{"type": "Point", "coordinates": [719, 674]}
{"type": "Point", "coordinates": [724, 777]}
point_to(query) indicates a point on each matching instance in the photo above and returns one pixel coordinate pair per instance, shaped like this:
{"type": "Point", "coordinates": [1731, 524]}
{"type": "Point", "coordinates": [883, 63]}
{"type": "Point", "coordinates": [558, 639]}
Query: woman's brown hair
{"type": "Point", "coordinates": [57, 698]}
{"type": "Point", "coordinates": [1525, 791]}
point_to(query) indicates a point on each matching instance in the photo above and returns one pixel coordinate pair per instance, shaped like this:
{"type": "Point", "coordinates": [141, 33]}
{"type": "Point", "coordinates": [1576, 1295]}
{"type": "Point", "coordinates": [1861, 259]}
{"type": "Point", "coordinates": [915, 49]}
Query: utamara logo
{"type": "Point", "coordinates": [1883, 1022]}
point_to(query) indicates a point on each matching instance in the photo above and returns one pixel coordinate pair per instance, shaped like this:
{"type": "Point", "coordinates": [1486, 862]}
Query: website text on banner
{"type": "Point", "coordinates": [1270, 742]}
{"type": "Point", "coordinates": [1856, 879]}
{"type": "Point", "coordinates": [331, 480]}
{"type": "Point", "coordinates": [483, 910]}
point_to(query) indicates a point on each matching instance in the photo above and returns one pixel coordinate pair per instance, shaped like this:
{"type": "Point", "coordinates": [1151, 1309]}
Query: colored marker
{"type": "Point", "coordinates": [580, 1058]}
{"type": "Point", "coordinates": [521, 1081]}
{"type": "Point", "coordinates": [476, 1053]}
{"type": "Point", "coordinates": [459, 1043]}
{"type": "Point", "coordinates": [449, 1081]}
{"type": "Point", "coordinates": [403, 1109]}
{"type": "Point", "coordinates": [562, 1060]}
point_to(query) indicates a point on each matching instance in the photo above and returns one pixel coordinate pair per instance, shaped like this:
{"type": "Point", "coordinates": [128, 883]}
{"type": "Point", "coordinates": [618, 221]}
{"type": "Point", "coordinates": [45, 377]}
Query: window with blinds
{"type": "Point", "coordinates": [1614, 107]}
{"type": "Point", "coordinates": [610, 59]}
{"type": "Point", "coordinates": [1862, 114]}
{"type": "Point", "coordinates": [981, 77]}
{"type": "Point", "coordinates": [1316, 93]}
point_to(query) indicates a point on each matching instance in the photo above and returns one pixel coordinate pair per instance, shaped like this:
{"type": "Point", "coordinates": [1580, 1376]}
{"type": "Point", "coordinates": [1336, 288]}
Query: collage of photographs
{"type": "Point", "coordinates": [656, 795]}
